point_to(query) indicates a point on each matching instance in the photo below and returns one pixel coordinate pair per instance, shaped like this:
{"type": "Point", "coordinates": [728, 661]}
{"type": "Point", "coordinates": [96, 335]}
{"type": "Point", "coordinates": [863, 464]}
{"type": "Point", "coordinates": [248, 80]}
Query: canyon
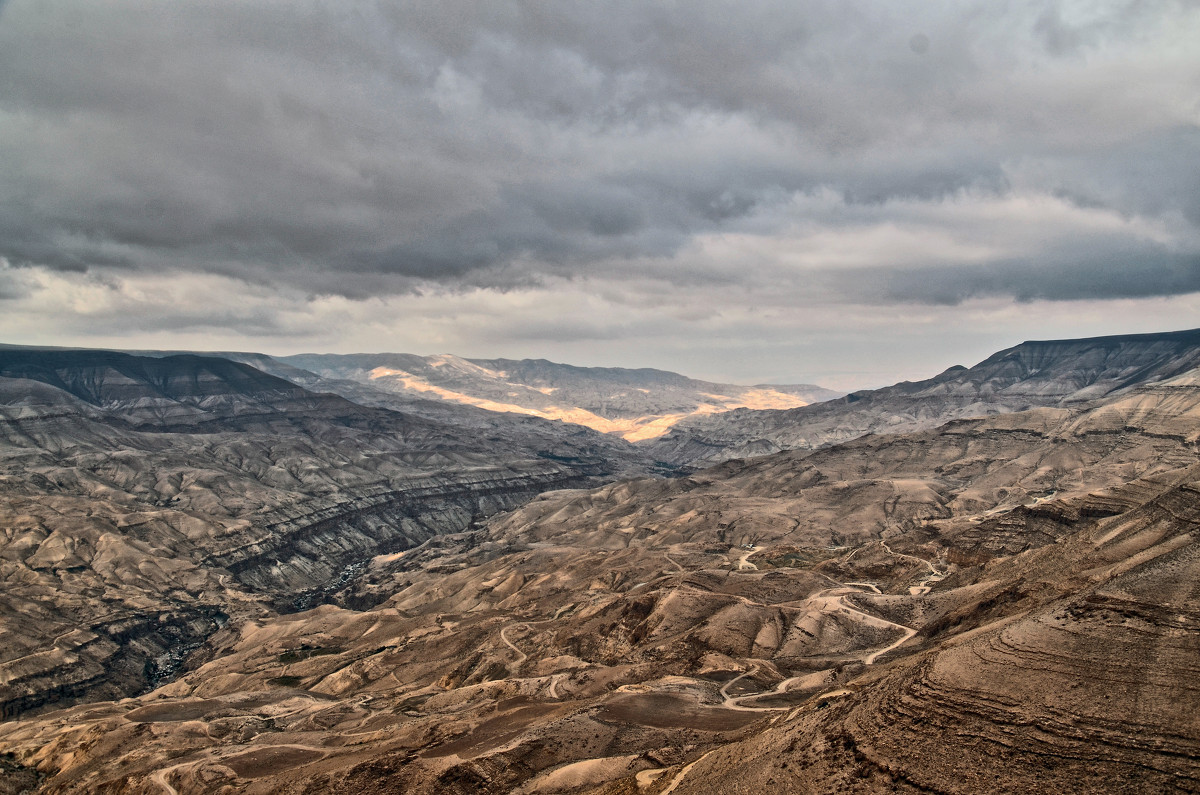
{"type": "Point", "coordinates": [221, 580]}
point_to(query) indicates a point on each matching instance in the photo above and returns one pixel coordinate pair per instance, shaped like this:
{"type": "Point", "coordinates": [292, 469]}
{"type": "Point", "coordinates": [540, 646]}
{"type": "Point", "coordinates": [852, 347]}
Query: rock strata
{"type": "Point", "coordinates": [147, 497]}
{"type": "Point", "coordinates": [1003, 603]}
{"type": "Point", "coordinates": [1032, 374]}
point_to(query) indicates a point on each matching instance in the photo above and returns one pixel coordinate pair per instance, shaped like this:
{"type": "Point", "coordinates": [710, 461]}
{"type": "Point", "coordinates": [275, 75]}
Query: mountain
{"type": "Point", "coordinates": [1055, 373]}
{"type": "Point", "coordinates": [107, 377]}
{"type": "Point", "coordinates": [147, 501]}
{"type": "Point", "coordinates": [636, 404]}
{"type": "Point", "coordinates": [1000, 603]}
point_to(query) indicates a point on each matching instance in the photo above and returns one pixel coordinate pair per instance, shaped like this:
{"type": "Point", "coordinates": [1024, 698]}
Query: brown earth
{"type": "Point", "coordinates": [1007, 604]}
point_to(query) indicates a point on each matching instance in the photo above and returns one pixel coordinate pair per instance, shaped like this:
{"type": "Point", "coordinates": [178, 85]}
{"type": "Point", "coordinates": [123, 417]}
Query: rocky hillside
{"type": "Point", "coordinates": [1000, 604]}
{"type": "Point", "coordinates": [147, 501]}
{"type": "Point", "coordinates": [635, 404]}
{"type": "Point", "coordinates": [1056, 373]}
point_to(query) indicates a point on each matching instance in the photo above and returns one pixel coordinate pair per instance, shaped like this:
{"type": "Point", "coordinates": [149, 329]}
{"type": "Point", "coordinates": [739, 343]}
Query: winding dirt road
{"type": "Point", "coordinates": [735, 702]}
{"type": "Point", "coordinates": [675, 782]}
{"type": "Point", "coordinates": [826, 603]}
{"type": "Point", "coordinates": [923, 587]}
{"type": "Point", "coordinates": [504, 637]}
{"type": "Point", "coordinates": [159, 777]}
{"type": "Point", "coordinates": [744, 563]}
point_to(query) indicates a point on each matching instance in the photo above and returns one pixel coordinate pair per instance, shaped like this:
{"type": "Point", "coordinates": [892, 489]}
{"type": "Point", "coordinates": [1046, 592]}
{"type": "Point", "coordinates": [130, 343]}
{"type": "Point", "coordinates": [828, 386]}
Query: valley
{"type": "Point", "coordinates": [596, 398]}
{"type": "Point", "coordinates": [996, 594]}
{"type": "Point", "coordinates": [149, 501]}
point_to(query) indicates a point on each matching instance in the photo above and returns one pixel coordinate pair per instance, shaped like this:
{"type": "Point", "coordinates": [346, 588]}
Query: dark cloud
{"type": "Point", "coordinates": [370, 149]}
{"type": "Point", "coordinates": [1106, 275]}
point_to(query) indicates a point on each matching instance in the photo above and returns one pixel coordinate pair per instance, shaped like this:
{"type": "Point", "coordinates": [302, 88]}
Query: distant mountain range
{"type": "Point", "coordinates": [636, 404]}
{"type": "Point", "coordinates": [1054, 373]}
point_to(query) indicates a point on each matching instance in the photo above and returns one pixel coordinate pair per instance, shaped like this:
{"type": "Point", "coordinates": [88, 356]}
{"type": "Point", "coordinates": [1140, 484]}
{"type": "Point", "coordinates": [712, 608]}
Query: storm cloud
{"type": "Point", "coordinates": [812, 153]}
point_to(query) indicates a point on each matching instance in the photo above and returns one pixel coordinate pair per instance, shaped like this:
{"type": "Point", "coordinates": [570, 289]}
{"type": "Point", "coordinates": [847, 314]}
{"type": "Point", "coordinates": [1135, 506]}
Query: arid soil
{"type": "Point", "coordinates": [1006, 604]}
{"type": "Point", "coordinates": [146, 502]}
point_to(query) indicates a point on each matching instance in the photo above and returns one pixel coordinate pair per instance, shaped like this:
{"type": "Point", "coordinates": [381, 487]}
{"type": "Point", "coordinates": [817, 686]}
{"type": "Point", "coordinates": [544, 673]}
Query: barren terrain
{"type": "Point", "coordinates": [634, 404]}
{"type": "Point", "coordinates": [147, 502]}
{"type": "Point", "coordinates": [1000, 604]}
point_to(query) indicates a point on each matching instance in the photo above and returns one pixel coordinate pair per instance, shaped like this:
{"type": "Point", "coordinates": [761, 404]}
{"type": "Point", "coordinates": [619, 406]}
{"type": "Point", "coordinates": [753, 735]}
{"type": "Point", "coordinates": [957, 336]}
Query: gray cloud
{"type": "Point", "coordinates": [379, 148]}
{"type": "Point", "coordinates": [12, 287]}
{"type": "Point", "coordinates": [1105, 275]}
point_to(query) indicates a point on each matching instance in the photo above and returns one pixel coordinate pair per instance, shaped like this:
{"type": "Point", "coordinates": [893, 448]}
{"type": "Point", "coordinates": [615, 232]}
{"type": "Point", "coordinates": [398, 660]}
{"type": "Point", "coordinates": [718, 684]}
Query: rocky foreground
{"type": "Point", "coordinates": [1004, 604]}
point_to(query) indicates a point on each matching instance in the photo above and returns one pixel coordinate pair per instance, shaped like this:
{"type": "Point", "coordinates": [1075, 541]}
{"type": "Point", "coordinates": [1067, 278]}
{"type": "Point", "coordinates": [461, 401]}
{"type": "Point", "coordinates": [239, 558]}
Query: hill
{"type": "Point", "coordinates": [635, 404]}
{"type": "Point", "coordinates": [1032, 374]}
{"type": "Point", "coordinates": [1002, 603]}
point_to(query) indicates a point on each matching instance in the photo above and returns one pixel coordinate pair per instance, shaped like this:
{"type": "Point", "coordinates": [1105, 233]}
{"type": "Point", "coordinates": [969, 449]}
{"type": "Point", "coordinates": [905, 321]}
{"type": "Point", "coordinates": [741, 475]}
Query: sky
{"type": "Point", "coordinates": [843, 192]}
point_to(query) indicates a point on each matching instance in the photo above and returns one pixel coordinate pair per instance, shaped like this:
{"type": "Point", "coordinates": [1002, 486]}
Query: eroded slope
{"type": "Point", "coordinates": [146, 501]}
{"type": "Point", "coordinates": [1059, 373]}
{"type": "Point", "coordinates": [1006, 604]}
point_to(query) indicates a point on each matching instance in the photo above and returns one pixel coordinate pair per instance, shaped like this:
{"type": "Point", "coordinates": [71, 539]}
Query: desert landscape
{"type": "Point", "coordinates": [599, 397]}
{"type": "Point", "coordinates": [1003, 602]}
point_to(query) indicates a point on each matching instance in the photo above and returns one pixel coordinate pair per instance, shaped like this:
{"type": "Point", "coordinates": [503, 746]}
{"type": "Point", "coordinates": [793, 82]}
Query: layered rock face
{"type": "Point", "coordinates": [148, 501]}
{"type": "Point", "coordinates": [1000, 604]}
{"type": "Point", "coordinates": [1032, 374]}
{"type": "Point", "coordinates": [1085, 684]}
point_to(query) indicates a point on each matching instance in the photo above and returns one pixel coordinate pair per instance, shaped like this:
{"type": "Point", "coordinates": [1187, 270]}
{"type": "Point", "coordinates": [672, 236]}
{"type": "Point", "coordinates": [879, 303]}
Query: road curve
{"type": "Point", "coordinates": [504, 637]}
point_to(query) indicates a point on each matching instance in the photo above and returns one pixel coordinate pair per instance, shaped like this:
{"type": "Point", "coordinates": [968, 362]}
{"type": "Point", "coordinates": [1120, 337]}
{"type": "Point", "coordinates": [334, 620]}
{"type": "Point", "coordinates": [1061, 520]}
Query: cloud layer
{"type": "Point", "coordinates": [741, 155]}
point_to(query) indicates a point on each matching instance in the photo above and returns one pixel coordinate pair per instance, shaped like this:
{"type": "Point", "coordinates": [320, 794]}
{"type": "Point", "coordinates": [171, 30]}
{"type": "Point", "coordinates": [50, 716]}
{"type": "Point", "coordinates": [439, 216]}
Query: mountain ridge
{"type": "Point", "coordinates": [1012, 379]}
{"type": "Point", "coordinates": [633, 403]}
{"type": "Point", "coordinates": [176, 377]}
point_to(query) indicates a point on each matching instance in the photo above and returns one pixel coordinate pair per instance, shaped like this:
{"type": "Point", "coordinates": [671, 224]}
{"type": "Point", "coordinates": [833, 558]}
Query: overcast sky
{"type": "Point", "coordinates": [843, 192]}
